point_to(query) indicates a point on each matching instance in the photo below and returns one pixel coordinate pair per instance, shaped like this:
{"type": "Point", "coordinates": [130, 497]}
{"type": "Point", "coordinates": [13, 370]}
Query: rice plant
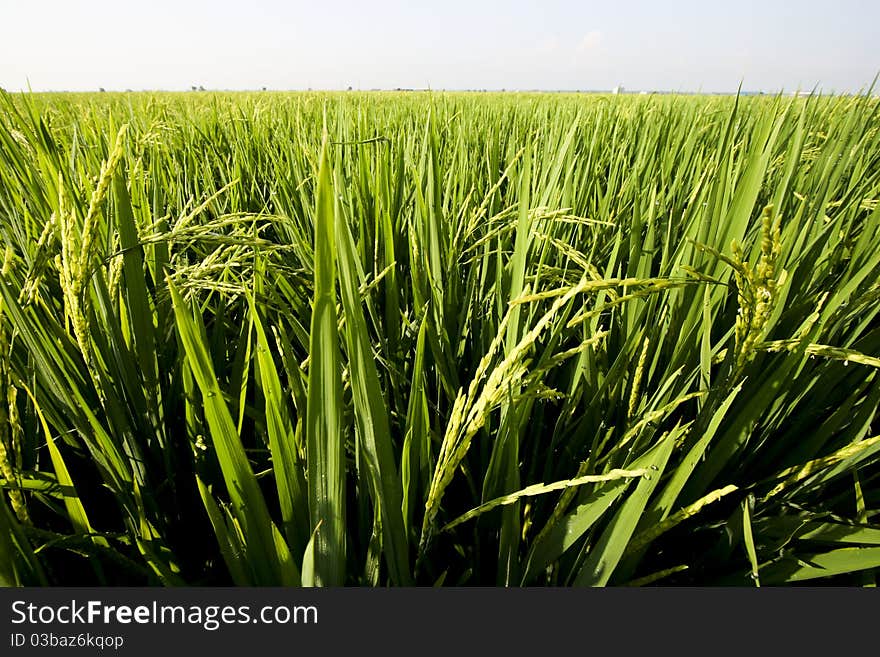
{"type": "Point", "coordinates": [428, 339]}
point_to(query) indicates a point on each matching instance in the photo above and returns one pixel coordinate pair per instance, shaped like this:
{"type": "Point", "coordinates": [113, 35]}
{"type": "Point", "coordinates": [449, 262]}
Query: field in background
{"type": "Point", "coordinates": [427, 338]}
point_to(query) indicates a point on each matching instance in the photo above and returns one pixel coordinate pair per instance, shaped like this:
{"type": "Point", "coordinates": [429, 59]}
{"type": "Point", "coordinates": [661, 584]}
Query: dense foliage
{"type": "Point", "coordinates": [426, 338]}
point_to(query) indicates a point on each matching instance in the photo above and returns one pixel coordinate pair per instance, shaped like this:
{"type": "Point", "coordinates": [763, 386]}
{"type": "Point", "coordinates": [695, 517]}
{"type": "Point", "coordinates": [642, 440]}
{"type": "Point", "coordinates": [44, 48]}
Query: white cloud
{"type": "Point", "coordinates": [591, 41]}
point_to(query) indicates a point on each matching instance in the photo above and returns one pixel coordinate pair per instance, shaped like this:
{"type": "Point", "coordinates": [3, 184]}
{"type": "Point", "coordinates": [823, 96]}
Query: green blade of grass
{"type": "Point", "coordinates": [325, 450]}
{"type": "Point", "coordinates": [608, 550]}
{"type": "Point", "coordinates": [265, 557]}
{"type": "Point", "coordinates": [371, 414]}
{"type": "Point", "coordinates": [804, 567]}
{"type": "Point", "coordinates": [288, 466]}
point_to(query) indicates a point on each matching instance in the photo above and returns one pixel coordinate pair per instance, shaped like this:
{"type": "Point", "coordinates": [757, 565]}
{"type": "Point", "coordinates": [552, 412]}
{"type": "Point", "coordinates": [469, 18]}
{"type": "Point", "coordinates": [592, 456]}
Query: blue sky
{"type": "Point", "coordinates": [674, 45]}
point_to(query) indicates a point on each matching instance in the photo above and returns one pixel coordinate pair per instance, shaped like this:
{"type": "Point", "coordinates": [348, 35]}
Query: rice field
{"type": "Point", "coordinates": [392, 339]}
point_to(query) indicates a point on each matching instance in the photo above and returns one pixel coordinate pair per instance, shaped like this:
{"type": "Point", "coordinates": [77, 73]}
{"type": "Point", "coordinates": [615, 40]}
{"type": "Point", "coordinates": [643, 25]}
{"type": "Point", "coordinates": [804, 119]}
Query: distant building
{"type": "Point", "coordinates": [617, 90]}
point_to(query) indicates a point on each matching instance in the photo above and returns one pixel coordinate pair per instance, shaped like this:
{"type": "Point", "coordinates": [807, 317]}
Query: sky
{"type": "Point", "coordinates": [676, 45]}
